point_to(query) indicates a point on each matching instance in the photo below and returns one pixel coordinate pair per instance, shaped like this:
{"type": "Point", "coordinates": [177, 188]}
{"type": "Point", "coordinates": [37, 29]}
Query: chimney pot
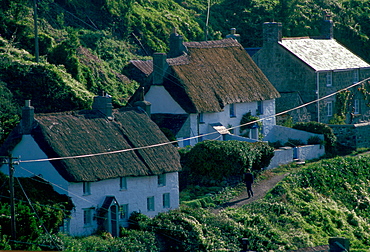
{"type": "Point", "coordinates": [233, 35]}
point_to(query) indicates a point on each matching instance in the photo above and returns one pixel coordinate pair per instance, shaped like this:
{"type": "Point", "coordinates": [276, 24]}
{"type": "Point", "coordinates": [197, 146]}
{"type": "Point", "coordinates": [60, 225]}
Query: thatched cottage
{"type": "Point", "coordinates": [202, 88]}
{"type": "Point", "coordinates": [306, 69]}
{"type": "Point", "coordinates": [99, 159]}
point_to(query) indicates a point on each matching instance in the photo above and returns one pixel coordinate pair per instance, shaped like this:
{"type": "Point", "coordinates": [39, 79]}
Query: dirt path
{"type": "Point", "coordinates": [260, 189]}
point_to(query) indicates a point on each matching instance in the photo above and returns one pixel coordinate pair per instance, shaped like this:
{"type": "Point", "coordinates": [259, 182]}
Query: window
{"type": "Point", "coordinates": [124, 212]}
{"type": "Point", "coordinates": [260, 107]}
{"type": "Point", "coordinates": [232, 110]}
{"type": "Point", "coordinates": [329, 107]}
{"type": "Point", "coordinates": [150, 203]}
{"type": "Point", "coordinates": [356, 107]}
{"type": "Point", "coordinates": [166, 200]}
{"type": "Point", "coordinates": [355, 76]}
{"type": "Point", "coordinates": [123, 183]}
{"type": "Point", "coordinates": [88, 216]}
{"type": "Point", "coordinates": [86, 188]}
{"type": "Point", "coordinates": [329, 79]}
{"type": "Point", "coordinates": [162, 180]}
{"type": "Point", "coordinates": [201, 118]}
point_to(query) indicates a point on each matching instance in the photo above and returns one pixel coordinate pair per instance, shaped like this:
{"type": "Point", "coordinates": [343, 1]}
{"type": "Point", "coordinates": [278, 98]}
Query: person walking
{"type": "Point", "coordinates": [248, 180]}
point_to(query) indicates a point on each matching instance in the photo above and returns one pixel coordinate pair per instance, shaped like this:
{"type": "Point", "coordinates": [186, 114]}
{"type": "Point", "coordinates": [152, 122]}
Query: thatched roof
{"type": "Point", "coordinates": [88, 132]}
{"type": "Point", "coordinates": [214, 74]}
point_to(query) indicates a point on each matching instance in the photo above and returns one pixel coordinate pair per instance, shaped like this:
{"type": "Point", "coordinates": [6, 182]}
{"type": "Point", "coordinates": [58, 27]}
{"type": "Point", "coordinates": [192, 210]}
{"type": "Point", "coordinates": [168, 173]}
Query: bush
{"type": "Point", "coordinates": [319, 128]}
{"type": "Point", "coordinates": [222, 159]}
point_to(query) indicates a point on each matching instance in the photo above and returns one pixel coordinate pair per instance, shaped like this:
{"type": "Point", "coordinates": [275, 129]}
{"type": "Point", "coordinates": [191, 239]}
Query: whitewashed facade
{"type": "Point", "coordinates": [131, 193]}
{"type": "Point", "coordinates": [202, 124]}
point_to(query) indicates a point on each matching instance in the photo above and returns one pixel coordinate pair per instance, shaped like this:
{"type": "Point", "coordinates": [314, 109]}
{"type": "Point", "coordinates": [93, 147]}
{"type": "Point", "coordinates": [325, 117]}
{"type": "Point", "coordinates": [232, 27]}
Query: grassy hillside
{"type": "Point", "coordinates": [84, 45]}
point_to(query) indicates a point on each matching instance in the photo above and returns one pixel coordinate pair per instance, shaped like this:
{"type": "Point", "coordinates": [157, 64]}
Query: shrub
{"type": "Point", "coordinates": [319, 128]}
{"type": "Point", "coordinates": [294, 142]}
{"type": "Point", "coordinates": [223, 159]}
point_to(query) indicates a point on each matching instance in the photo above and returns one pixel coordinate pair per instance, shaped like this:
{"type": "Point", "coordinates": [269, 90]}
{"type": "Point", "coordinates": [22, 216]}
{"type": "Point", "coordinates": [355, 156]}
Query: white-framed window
{"type": "Point", "coordinates": [124, 212]}
{"type": "Point", "coordinates": [355, 77]}
{"type": "Point", "coordinates": [150, 203]}
{"type": "Point", "coordinates": [86, 188]}
{"type": "Point", "coordinates": [356, 106]}
{"type": "Point", "coordinates": [260, 107]}
{"type": "Point", "coordinates": [329, 79]}
{"type": "Point", "coordinates": [88, 216]}
{"type": "Point", "coordinates": [123, 183]}
{"type": "Point", "coordinates": [329, 108]}
{"type": "Point", "coordinates": [201, 118]}
{"type": "Point", "coordinates": [232, 110]}
{"type": "Point", "coordinates": [162, 180]}
{"type": "Point", "coordinates": [166, 200]}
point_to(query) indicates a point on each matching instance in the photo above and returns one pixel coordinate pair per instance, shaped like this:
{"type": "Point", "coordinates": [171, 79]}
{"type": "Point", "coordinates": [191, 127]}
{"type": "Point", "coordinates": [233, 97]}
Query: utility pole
{"type": "Point", "coordinates": [36, 30]}
{"type": "Point", "coordinates": [11, 164]}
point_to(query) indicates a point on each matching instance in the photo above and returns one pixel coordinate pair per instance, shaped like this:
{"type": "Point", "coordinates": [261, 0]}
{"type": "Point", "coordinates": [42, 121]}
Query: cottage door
{"type": "Point", "coordinates": [113, 211]}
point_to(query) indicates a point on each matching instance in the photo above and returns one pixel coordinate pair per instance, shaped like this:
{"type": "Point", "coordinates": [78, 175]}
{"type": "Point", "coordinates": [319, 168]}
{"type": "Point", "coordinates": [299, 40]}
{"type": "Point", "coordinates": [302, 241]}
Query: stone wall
{"type": "Point", "coordinates": [353, 135]}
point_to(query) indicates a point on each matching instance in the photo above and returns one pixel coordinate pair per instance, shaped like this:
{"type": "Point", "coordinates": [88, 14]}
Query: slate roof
{"type": "Point", "coordinates": [88, 132]}
{"type": "Point", "coordinates": [323, 54]}
{"type": "Point", "coordinates": [212, 75]}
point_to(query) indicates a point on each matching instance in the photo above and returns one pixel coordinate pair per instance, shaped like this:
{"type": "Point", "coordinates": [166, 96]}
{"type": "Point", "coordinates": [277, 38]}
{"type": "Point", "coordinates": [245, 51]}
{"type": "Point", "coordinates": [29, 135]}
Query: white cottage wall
{"type": "Point", "coordinates": [136, 194]}
{"type": "Point", "coordinates": [162, 101]}
{"type": "Point", "coordinates": [27, 149]}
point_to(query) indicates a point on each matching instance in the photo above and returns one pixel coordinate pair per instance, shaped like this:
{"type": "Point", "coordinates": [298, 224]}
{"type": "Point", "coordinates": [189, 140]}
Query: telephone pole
{"type": "Point", "coordinates": [11, 162]}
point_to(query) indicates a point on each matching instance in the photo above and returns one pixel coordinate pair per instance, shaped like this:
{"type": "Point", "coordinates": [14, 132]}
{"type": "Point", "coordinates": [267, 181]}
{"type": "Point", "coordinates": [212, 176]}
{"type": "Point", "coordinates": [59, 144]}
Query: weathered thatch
{"type": "Point", "coordinates": [212, 75]}
{"type": "Point", "coordinates": [89, 132]}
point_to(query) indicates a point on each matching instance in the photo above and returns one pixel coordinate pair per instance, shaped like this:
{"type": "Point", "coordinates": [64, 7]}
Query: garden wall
{"type": "Point", "coordinates": [283, 134]}
{"type": "Point", "coordinates": [286, 155]}
{"type": "Point", "coordinates": [353, 135]}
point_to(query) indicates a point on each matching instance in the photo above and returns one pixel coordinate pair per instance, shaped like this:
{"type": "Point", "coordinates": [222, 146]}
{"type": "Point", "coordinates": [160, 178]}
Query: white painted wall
{"type": "Point", "coordinates": [162, 101]}
{"type": "Point", "coordinates": [28, 149]}
{"type": "Point", "coordinates": [138, 189]}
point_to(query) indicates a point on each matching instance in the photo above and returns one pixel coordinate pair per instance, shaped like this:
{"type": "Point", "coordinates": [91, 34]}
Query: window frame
{"type": "Point", "coordinates": [355, 76]}
{"type": "Point", "coordinates": [356, 106]}
{"type": "Point", "coordinates": [329, 108]}
{"type": "Point", "coordinates": [329, 79]}
{"type": "Point", "coordinates": [161, 180]}
{"type": "Point", "coordinates": [123, 212]}
{"type": "Point", "coordinates": [150, 204]}
{"type": "Point", "coordinates": [166, 197]}
{"type": "Point", "coordinates": [232, 110]}
{"type": "Point", "coordinates": [86, 188]}
{"type": "Point", "coordinates": [88, 216]}
{"type": "Point", "coordinates": [123, 183]}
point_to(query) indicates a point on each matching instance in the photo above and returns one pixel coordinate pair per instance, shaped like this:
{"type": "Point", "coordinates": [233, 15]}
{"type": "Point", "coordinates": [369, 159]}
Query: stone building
{"type": "Point", "coordinates": [306, 69]}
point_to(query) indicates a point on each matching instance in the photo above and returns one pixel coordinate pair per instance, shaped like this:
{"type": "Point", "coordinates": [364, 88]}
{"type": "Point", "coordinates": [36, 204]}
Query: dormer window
{"type": "Point", "coordinates": [329, 79]}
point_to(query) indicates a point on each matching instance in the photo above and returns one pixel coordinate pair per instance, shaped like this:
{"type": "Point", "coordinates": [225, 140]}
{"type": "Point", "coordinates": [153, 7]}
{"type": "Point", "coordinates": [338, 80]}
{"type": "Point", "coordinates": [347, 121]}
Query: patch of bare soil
{"type": "Point", "coordinates": [259, 188]}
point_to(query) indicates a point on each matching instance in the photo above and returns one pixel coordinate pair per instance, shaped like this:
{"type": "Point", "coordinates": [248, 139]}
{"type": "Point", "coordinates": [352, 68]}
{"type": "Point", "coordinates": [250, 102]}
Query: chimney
{"type": "Point", "coordinates": [327, 27]}
{"type": "Point", "coordinates": [177, 47]}
{"type": "Point", "coordinates": [159, 67]}
{"type": "Point", "coordinates": [233, 35]}
{"type": "Point", "coordinates": [145, 106]}
{"type": "Point", "coordinates": [103, 103]}
{"type": "Point", "coordinates": [27, 118]}
{"type": "Point", "coordinates": [272, 32]}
